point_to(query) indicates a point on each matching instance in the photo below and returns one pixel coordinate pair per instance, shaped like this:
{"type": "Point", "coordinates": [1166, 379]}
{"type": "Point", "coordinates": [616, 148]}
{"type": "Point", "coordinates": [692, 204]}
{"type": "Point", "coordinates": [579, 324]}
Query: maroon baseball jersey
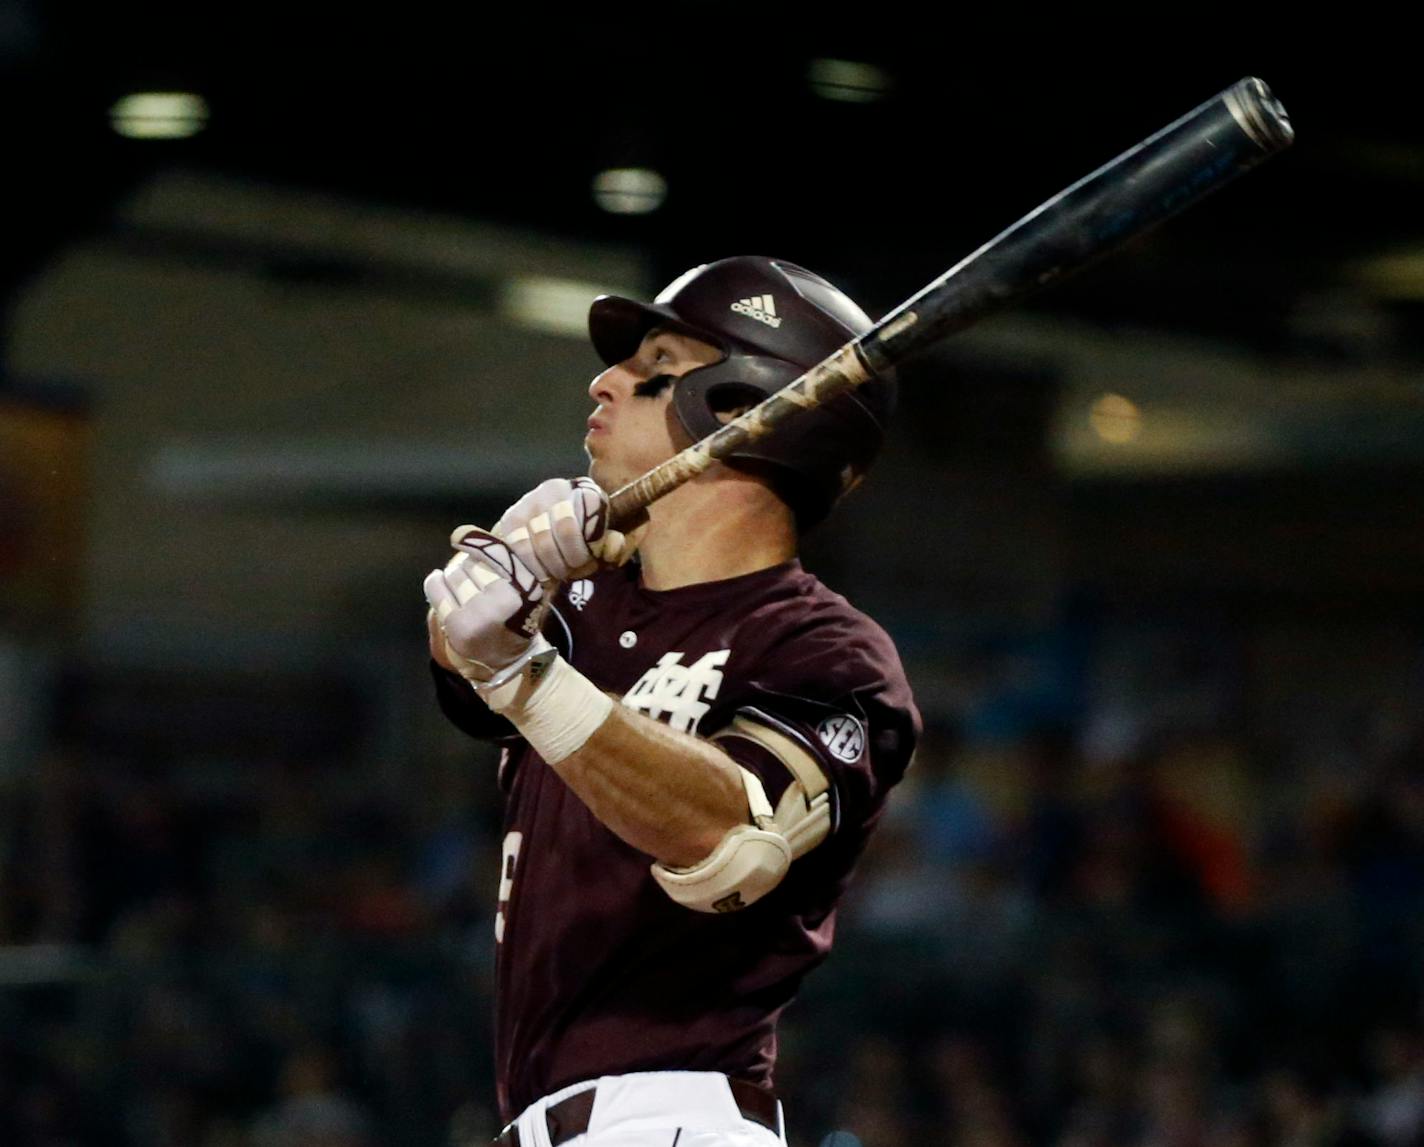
{"type": "Point", "coordinates": [599, 971]}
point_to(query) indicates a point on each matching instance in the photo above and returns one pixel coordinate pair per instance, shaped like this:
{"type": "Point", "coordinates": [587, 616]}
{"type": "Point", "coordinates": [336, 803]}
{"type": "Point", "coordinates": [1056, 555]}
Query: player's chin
{"type": "Point", "coordinates": [598, 471]}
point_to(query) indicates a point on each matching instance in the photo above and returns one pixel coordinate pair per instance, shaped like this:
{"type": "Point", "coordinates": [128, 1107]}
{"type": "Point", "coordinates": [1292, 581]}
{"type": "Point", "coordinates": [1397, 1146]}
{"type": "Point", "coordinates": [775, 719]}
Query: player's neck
{"type": "Point", "coordinates": [715, 527]}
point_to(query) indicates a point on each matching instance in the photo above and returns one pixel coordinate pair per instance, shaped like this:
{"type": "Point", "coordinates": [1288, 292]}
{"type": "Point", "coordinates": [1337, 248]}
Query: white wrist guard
{"type": "Point", "coordinates": [554, 706]}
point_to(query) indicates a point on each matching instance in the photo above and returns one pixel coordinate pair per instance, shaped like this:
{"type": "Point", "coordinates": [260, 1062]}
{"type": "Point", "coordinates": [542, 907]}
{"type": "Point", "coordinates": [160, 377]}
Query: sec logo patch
{"type": "Point", "coordinates": [843, 736]}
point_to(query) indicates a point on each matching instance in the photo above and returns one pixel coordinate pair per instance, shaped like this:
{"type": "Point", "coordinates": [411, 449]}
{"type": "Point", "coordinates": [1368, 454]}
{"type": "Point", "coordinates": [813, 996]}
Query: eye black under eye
{"type": "Point", "coordinates": [651, 387]}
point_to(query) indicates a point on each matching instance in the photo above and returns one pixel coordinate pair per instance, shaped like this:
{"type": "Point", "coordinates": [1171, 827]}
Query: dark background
{"type": "Point", "coordinates": [493, 114]}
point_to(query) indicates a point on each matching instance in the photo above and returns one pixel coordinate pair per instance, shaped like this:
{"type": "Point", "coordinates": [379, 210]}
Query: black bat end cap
{"type": "Point", "coordinates": [1258, 112]}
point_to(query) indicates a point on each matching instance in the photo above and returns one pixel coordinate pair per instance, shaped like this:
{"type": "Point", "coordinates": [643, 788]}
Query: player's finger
{"type": "Point", "coordinates": [454, 571]}
{"type": "Point", "coordinates": [532, 544]}
{"type": "Point", "coordinates": [467, 578]}
{"type": "Point", "coordinates": [593, 510]}
{"type": "Point", "coordinates": [486, 628]}
{"type": "Point", "coordinates": [525, 525]}
{"type": "Point", "coordinates": [537, 501]}
{"type": "Point", "coordinates": [566, 537]}
{"type": "Point", "coordinates": [557, 540]}
{"type": "Point", "coordinates": [439, 595]}
{"type": "Point", "coordinates": [613, 548]}
{"type": "Point", "coordinates": [486, 551]}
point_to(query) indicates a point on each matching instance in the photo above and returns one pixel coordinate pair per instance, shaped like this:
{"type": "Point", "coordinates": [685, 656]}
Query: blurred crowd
{"type": "Point", "coordinates": [1157, 950]}
{"type": "Point", "coordinates": [1204, 934]}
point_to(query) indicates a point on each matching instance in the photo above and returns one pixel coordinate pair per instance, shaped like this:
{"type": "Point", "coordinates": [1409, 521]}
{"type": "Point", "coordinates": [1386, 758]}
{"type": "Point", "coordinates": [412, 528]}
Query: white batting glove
{"type": "Point", "coordinates": [489, 606]}
{"type": "Point", "coordinates": [560, 530]}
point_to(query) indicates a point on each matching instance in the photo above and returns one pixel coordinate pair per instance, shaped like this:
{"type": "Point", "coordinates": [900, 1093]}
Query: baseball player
{"type": "Point", "coordinates": [697, 740]}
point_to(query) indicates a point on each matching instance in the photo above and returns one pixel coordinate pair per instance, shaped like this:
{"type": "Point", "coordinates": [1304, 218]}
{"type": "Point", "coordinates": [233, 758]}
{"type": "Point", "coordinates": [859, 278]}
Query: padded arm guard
{"type": "Point", "coordinates": [752, 859]}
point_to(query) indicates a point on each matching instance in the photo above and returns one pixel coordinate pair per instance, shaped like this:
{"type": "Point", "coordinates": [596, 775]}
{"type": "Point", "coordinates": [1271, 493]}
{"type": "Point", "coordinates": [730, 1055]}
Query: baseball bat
{"type": "Point", "coordinates": [1144, 186]}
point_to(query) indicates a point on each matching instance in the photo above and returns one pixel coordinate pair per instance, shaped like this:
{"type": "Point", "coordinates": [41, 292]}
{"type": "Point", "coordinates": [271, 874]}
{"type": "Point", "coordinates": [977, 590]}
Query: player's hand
{"type": "Point", "coordinates": [486, 607]}
{"type": "Point", "coordinates": [439, 649]}
{"type": "Point", "coordinates": [560, 530]}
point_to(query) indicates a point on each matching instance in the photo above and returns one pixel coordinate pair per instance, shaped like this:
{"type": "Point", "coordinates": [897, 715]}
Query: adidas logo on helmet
{"type": "Point", "coordinates": [759, 307]}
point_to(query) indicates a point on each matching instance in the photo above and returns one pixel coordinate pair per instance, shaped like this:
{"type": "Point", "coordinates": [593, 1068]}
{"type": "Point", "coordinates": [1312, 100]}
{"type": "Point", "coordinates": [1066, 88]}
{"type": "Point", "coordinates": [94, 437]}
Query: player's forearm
{"type": "Point", "coordinates": [666, 793]}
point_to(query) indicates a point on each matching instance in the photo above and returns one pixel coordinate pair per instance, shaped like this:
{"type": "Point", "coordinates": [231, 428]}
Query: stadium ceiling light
{"type": "Point", "coordinates": [1115, 419]}
{"type": "Point", "coordinates": [629, 190]}
{"type": "Point", "coordinates": [555, 306]}
{"type": "Point", "coordinates": [159, 115]}
{"type": "Point", "coordinates": [848, 81]}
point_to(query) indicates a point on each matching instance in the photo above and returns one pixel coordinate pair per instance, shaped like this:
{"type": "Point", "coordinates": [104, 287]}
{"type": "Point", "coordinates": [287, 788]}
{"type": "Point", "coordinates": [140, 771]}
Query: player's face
{"type": "Point", "coordinates": [635, 427]}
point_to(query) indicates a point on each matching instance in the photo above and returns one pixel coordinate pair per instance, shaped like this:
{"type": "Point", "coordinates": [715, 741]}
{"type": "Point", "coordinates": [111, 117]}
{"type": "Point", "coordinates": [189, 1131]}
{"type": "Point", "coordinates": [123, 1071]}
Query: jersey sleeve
{"type": "Point", "coordinates": [462, 705]}
{"type": "Point", "coordinates": [834, 698]}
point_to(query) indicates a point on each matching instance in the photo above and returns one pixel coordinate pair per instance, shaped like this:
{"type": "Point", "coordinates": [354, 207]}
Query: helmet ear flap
{"type": "Point", "coordinates": [732, 398]}
{"type": "Point", "coordinates": [738, 380]}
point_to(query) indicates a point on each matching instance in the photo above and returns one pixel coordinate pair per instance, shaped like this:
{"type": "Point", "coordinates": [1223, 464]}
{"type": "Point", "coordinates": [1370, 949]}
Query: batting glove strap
{"type": "Point", "coordinates": [554, 706]}
{"type": "Point", "coordinates": [485, 687]}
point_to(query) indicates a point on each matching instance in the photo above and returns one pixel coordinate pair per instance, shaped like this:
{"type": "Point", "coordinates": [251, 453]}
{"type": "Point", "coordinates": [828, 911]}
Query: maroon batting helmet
{"type": "Point", "coordinates": [772, 320]}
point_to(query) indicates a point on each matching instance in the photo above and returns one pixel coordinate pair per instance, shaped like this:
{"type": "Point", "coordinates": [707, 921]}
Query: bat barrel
{"type": "Point", "coordinates": [1145, 186]}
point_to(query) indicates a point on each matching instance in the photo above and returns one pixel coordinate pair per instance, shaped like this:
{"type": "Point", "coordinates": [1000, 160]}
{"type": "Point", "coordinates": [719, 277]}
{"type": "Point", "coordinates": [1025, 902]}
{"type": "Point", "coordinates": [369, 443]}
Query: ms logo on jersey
{"type": "Point", "coordinates": [683, 692]}
{"type": "Point", "coordinates": [579, 593]}
{"type": "Point", "coordinates": [843, 736]}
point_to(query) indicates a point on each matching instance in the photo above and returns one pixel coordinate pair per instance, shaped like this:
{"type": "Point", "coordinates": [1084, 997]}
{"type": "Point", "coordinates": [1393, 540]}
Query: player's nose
{"type": "Point", "coordinates": [612, 384]}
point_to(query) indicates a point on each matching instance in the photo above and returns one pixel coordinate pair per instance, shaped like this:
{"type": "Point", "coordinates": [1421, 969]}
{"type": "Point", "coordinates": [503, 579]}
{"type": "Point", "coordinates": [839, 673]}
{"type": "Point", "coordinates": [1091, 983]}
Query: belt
{"type": "Point", "coordinates": [569, 1117]}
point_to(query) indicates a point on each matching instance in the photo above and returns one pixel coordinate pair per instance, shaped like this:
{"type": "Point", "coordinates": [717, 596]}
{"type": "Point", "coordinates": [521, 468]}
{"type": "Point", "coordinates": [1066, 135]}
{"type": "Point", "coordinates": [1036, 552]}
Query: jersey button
{"type": "Point", "coordinates": [628, 639]}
